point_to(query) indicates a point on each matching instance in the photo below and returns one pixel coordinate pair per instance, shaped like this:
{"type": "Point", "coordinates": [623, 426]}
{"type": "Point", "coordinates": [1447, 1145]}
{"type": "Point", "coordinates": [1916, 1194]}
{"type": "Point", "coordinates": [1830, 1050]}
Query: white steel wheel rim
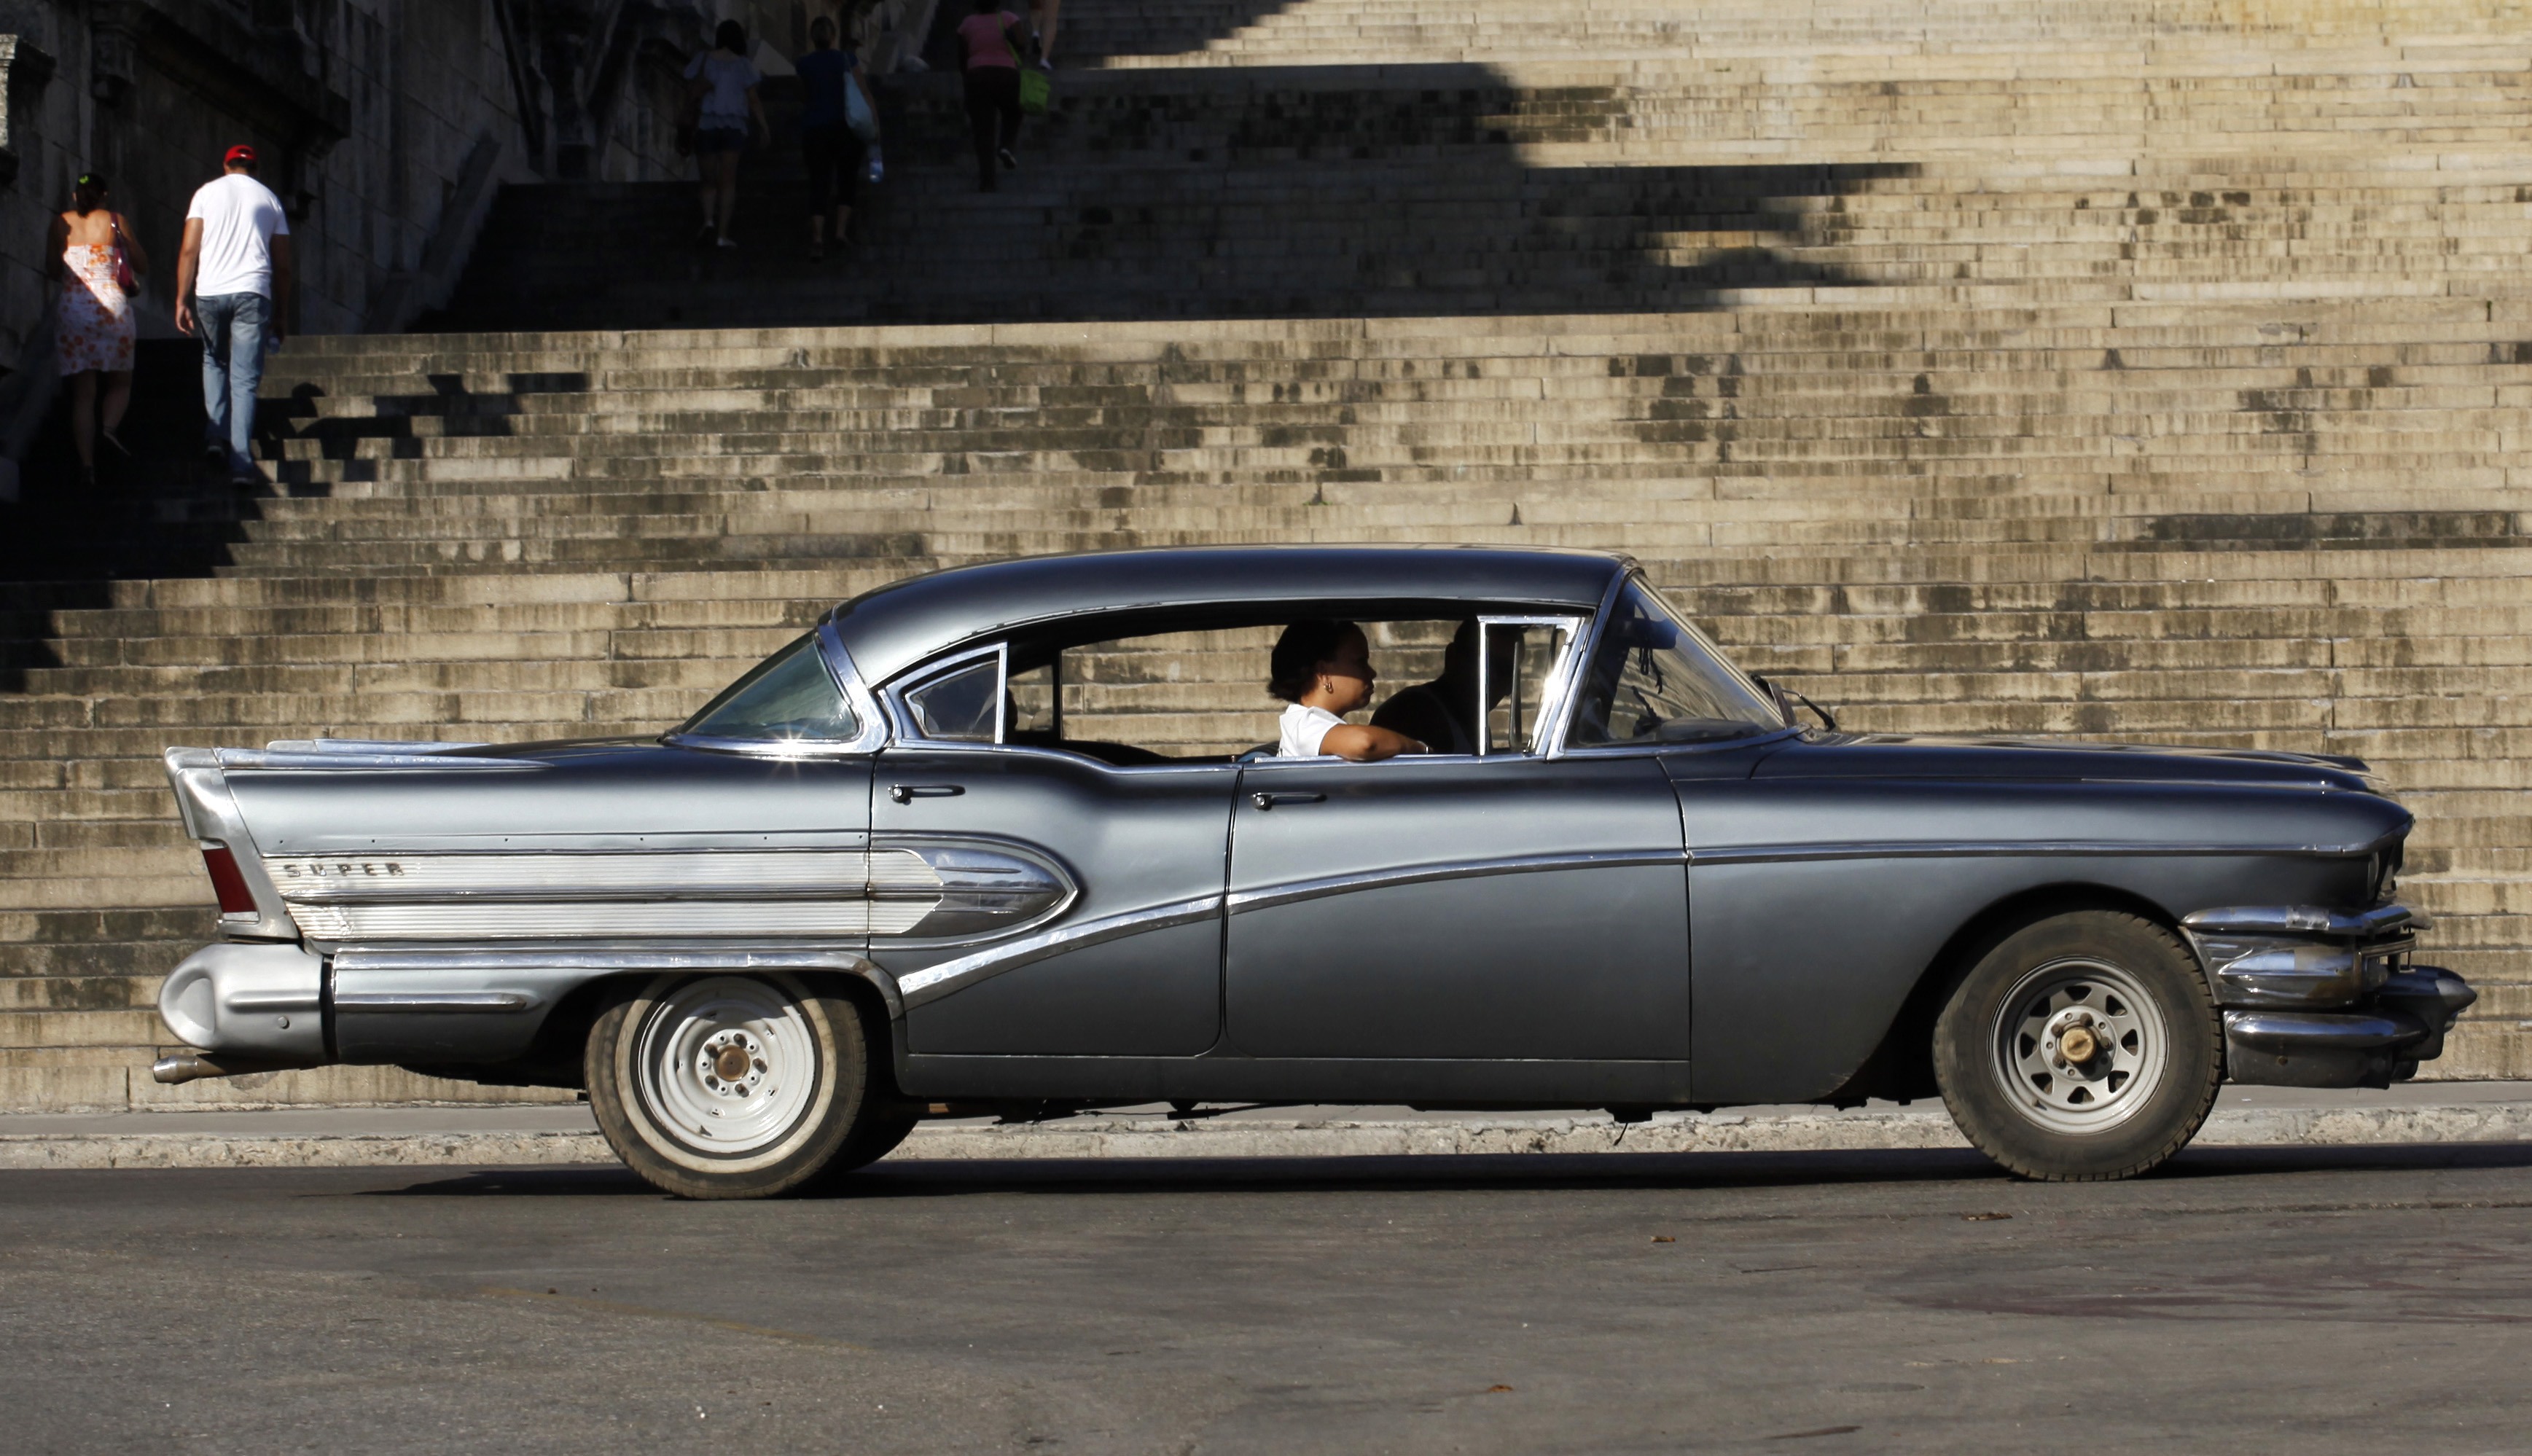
{"type": "Point", "coordinates": [727, 1067]}
{"type": "Point", "coordinates": [2079, 1006]}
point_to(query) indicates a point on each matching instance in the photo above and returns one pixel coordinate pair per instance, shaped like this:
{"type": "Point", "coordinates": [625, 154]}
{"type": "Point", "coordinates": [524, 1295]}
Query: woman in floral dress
{"type": "Point", "coordinates": [91, 245]}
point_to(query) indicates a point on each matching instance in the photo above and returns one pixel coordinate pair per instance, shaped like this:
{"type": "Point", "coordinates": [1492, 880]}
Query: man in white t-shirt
{"type": "Point", "coordinates": [232, 289]}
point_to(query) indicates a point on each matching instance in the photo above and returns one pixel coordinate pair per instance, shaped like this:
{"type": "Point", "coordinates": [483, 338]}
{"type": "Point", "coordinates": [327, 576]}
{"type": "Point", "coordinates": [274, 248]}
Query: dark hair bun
{"type": "Point", "coordinates": [1299, 652]}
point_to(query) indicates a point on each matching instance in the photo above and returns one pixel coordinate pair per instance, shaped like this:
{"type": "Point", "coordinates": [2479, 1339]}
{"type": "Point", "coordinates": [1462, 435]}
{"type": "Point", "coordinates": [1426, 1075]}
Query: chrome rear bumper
{"type": "Point", "coordinates": [245, 1002]}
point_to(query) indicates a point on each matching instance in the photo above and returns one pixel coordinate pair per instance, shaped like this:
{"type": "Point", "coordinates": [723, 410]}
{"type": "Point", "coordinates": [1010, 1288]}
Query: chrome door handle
{"type": "Point", "coordinates": [1265, 801]}
{"type": "Point", "coordinates": [908, 793]}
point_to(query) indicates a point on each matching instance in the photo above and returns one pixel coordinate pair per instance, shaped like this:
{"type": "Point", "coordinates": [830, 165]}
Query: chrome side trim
{"type": "Point", "coordinates": [1767, 854]}
{"type": "Point", "coordinates": [619, 959]}
{"type": "Point", "coordinates": [531, 920]}
{"type": "Point", "coordinates": [945, 888]}
{"type": "Point", "coordinates": [343, 763]}
{"type": "Point", "coordinates": [366, 746]}
{"type": "Point", "coordinates": [429, 1001]}
{"type": "Point", "coordinates": [1341, 885]}
{"type": "Point", "coordinates": [785, 750]}
{"type": "Point", "coordinates": [964, 889]}
{"type": "Point", "coordinates": [572, 874]}
{"type": "Point", "coordinates": [935, 983]}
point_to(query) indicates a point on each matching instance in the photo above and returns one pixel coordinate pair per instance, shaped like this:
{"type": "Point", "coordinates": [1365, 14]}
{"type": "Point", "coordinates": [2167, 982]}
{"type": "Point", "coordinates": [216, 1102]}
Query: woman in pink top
{"type": "Point", "coordinates": [987, 48]}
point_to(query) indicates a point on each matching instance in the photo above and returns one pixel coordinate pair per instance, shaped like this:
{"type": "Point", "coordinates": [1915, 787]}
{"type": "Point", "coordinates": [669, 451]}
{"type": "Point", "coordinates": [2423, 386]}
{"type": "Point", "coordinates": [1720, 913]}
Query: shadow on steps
{"type": "Point", "coordinates": [1303, 192]}
{"type": "Point", "coordinates": [166, 511]}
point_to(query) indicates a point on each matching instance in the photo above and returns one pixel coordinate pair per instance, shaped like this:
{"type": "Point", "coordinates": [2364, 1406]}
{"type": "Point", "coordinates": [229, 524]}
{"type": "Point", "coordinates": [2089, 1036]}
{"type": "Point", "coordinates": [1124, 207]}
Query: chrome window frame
{"type": "Point", "coordinates": [858, 699]}
{"type": "Point", "coordinates": [1591, 650]}
{"type": "Point", "coordinates": [1555, 689]}
{"type": "Point", "coordinates": [901, 716]}
{"type": "Point", "coordinates": [1557, 696]}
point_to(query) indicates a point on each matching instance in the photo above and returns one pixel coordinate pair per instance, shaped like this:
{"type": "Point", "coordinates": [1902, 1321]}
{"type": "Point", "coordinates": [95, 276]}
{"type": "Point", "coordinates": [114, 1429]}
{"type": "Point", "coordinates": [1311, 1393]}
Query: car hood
{"type": "Point", "coordinates": [1924, 756]}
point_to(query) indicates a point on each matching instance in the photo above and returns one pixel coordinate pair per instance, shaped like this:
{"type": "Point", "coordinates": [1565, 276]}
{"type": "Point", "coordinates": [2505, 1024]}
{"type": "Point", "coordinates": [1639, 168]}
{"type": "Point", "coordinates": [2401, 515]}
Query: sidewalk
{"type": "Point", "coordinates": [514, 1136]}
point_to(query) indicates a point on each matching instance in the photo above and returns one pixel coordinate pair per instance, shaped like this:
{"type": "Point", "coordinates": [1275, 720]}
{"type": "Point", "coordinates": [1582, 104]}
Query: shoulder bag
{"type": "Point", "coordinates": [860, 117]}
{"type": "Point", "coordinates": [124, 278]}
{"type": "Point", "coordinates": [1037, 88]}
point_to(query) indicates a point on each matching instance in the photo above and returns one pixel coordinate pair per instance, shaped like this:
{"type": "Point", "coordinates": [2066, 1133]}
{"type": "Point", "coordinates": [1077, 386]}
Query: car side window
{"type": "Point", "coordinates": [960, 705]}
{"type": "Point", "coordinates": [790, 696]}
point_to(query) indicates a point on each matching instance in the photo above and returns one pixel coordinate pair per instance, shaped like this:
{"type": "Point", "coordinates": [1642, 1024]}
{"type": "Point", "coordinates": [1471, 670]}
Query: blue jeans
{"type": "Point", "coordinates": [231, 326]}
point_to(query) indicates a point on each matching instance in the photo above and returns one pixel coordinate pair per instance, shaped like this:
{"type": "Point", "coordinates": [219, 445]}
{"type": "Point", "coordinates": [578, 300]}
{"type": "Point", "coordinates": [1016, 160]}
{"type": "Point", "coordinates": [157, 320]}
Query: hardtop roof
{"type": "Point", "coordinates": [899, 625]}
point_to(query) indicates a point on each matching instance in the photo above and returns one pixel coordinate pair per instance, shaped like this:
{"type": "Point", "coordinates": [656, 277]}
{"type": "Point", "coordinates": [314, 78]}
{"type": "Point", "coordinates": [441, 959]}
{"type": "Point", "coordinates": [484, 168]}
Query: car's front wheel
{"type": "Point", "coordinates": [734, 1086]}
{"type": "Point", "coordinates": [2083, 1047]}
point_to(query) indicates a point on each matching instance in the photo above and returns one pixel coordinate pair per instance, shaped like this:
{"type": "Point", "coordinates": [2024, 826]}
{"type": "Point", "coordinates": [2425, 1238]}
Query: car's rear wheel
{"type": "Point", "coordinates": [2083, 1047]}
{"type": "Point", "coordinates": [734, 1087]}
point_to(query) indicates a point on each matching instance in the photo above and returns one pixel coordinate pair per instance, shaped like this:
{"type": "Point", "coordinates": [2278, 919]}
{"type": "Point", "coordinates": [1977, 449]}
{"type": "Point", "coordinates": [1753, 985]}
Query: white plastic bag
{"type": "Point", "coordinates": [859, 115]}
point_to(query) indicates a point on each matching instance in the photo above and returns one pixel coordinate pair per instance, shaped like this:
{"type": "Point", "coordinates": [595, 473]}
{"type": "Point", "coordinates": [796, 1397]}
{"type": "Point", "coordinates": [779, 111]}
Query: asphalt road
{"type": "Point", "coordinates": [2254, 1299]}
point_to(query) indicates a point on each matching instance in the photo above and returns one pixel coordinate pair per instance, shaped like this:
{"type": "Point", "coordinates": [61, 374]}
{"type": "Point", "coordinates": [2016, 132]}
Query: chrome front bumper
{"type": "Point", "coordinates": [2324, 999]}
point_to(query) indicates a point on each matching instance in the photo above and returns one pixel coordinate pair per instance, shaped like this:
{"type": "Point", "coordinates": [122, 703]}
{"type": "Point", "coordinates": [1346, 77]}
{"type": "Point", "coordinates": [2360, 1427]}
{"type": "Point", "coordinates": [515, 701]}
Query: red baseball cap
{"type": "Point", "coordinates": [237, 154]}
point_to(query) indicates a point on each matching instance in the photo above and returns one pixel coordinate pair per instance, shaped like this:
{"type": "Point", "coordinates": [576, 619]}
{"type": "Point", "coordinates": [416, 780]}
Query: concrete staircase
{"type": "Point", "coordinates": [2150, 372]}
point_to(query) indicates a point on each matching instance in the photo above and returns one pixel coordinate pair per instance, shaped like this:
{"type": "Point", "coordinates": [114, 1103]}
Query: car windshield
{"type": "Point", "coordinates": [1656, 678]}
{"type": "Point", "coordinates": [789, 697]}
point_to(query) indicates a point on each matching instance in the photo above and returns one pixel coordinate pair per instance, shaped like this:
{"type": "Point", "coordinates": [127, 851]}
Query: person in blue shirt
{"type": "Point", "coordinates": [835, 158]}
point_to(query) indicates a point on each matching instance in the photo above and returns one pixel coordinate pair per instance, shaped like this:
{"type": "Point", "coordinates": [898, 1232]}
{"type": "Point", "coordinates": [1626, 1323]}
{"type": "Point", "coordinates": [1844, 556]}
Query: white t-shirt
{"type": "Point", "coordinates": [724, 106]}
{"type": "Point", "coordinates": [240, 219]}
{"type": "Point", "coordinates": [1304, 728]}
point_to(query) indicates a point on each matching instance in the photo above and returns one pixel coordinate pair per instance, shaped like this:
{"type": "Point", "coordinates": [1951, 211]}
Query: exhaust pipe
{"type": "Point", "coordinates": [193, 1066]}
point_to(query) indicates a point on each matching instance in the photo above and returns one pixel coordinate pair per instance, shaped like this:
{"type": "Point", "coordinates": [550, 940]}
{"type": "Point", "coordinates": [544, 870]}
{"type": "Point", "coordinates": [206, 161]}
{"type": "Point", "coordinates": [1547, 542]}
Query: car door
{"type": "Point", "coordinates": [1046, 904]}
{"type": "Point", "coordinates": [1512, 905]}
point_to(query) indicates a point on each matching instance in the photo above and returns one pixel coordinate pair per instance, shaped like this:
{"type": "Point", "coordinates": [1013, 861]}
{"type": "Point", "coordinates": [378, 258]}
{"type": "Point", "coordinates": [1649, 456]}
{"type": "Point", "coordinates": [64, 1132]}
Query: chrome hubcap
{"type": "Point", "coordinates": [2079, 1046]}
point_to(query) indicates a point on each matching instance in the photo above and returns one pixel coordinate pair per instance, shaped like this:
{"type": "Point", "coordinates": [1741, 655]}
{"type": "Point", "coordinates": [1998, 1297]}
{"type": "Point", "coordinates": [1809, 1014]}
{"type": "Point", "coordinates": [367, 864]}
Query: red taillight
{"type": "Point", "coordinates": [235, 897]}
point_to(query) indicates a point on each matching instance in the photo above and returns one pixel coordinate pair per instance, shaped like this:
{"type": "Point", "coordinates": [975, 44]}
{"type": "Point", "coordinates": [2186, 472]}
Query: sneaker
{"type": "Point", "coordinates": [1010, 163]}
{"type": "Point", "coordinates": [913, 65]}
{"type": "Point", "coordinates": [1046, 64]}
{"type": "Point", "coordinates": [215, 453]}
{"type": "Point", "coordinates": [116, 441]}
{"type": "Point", "coordinates": [704, 235]}
{"type": "Point", "coordinates": [726, 243]}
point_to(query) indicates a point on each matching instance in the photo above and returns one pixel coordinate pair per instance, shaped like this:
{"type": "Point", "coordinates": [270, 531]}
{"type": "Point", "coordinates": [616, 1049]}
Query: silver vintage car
{"type": "Point", "coordinates": [1005, 838]}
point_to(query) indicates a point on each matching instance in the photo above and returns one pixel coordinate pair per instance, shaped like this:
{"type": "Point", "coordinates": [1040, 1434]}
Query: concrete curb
{"type": "Point", "coordinates": [1147, 1138]}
